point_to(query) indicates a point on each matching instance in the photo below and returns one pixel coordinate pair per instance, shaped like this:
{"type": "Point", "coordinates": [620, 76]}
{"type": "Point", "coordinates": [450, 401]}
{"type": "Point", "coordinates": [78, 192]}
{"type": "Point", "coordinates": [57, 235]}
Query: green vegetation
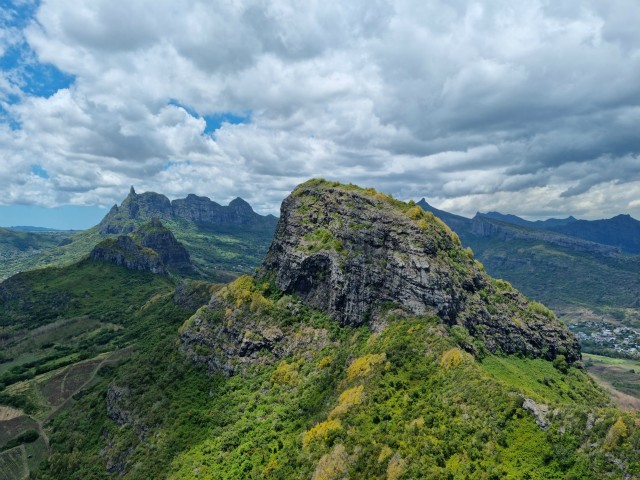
{"type": "Point", "coordinates": [64, 331]}
{"type": "Point", "coordinates": [19, 247]}
{"type": "Point", "coordinates": [558, 276]}
{"type": "Point", "coordinates": [405, 403]}
{"type": "Point", "coordinates": [28, 436]}
{"type": "Point", "coordinates": [221, 253]}
{"type": "Point", "coordinates": [257, 384]}
{"type": "Point", "coordinates": [322, 239]}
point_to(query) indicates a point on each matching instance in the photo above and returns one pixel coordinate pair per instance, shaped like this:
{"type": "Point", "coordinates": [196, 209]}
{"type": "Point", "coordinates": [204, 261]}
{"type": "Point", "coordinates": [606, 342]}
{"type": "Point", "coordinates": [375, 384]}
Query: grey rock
{"type": "Point", "coordinates": [539, 411]}
{"type": "Point", "coordinates": [124, 251]}
{"type": "Point", "coordinates": [352, 254]}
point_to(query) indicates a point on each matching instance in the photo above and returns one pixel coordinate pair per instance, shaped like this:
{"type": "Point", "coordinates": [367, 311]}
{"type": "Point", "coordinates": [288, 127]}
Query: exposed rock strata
{"type": "Point", "coordinates": [124, 251]}
{"type": "Point", "coordinates": [152, 248]}
{"type": "Point", "coordinates": [353, 253]}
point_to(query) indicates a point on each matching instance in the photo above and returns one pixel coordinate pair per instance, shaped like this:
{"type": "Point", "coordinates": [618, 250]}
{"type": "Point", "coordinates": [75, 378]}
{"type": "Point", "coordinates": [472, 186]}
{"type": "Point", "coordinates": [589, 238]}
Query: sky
{"type": "Point", "coordinates": [523, 106]}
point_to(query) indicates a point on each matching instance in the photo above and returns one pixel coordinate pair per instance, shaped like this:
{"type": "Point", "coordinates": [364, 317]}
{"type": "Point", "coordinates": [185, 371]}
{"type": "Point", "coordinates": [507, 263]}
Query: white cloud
{"type": "Point", "coordinates": [477, 105]}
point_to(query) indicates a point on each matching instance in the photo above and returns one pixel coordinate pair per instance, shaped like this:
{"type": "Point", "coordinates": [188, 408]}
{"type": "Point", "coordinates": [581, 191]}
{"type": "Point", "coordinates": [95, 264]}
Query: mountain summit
{"type": "Point", "coordinates": [355, 254]}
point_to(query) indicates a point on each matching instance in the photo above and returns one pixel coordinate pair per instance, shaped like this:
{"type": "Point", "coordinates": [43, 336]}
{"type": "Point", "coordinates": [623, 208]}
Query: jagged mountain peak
{"type": "Point", "coordinates": [138, 208]}
{"type": "Point", "coordinates": [355, 253]}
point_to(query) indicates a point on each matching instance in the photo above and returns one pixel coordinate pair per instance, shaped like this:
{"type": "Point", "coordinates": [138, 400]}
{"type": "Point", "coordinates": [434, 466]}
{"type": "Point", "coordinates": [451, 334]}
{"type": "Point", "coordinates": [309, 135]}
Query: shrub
{"type": "Point", "coordinates": [333, 465]}
{"type": "Point", "coordinates": [348, 398]}
{"type": "Point", "coordinates": [362, 366]}
{"type": "Point", "coordinates": [285, 374]}
{"type": "Point", "coordinates": [617, 433]}
{"type": "Point", "coordinates": [322, 431]}
{"type": "Point", "coordinates": [451, 358]}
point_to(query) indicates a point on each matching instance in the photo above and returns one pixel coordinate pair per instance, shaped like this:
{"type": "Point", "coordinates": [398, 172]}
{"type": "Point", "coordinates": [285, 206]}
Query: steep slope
{"type": "Point", "coordinates": [62, 331]}
{"type": "Point", "coordinates": [352, 254]}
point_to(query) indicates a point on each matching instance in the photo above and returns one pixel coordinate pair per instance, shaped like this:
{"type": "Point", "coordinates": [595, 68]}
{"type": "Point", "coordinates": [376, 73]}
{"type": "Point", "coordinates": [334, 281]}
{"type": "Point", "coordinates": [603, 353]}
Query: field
{"type": "Point", "coordinates": [620, 377]}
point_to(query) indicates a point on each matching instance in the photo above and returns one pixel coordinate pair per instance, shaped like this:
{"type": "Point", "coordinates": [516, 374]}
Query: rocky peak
{"type": "Point", "coordinates": [152, 247]}
{"type": "Point", "coordinates": [173, 254]}
{"type": "Point", "coordinates": [356, 254]}
{"type": "Point", "coordinates": [124, 251]}
{"type": "Point", "coordinates": [240, 205]}
{"type": "Point", "coordinates": [139, 208]}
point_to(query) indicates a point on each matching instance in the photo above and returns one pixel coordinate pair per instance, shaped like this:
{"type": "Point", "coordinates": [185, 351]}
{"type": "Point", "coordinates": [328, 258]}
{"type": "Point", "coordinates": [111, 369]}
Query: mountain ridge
{"type": "Point", "coordinates": [123, 218]}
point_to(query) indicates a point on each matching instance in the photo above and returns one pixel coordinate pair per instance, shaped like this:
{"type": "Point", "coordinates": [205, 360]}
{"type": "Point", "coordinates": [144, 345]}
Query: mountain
{"type": "Point", "coordinates": [369, 344]}
{"type": "Point", "coordinates": [151, 247]}
{"type": "Point", "coordinates": [621, 231]}
{"type": "Point", "coordinates": [514, 219]}
{"type": "Point", "coordinates": [562, 270]}
{"type": "Point", "coordinates": [200, 210]}
{"type": "Point", "coordinates": [222, 241]}
{"type": "Point", "coordinates": [591, 286]}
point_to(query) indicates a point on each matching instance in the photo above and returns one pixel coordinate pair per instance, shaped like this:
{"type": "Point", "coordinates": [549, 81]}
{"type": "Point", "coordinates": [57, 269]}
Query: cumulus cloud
{"type": "Point", "coordinates": [530, 107]}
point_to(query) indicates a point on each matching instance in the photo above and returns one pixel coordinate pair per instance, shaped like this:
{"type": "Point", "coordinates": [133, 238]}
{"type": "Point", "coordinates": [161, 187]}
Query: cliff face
{"type": "Point", "coordinates": [172, 253]}
{"type": "Point", "coordinates": [355, 254]}
{"type": "Point", "coordinates": [137, 208]}
{"type": "Point", "coordinates": [124, 251]}
{"type": "Point", "coordinates": [151, 247]}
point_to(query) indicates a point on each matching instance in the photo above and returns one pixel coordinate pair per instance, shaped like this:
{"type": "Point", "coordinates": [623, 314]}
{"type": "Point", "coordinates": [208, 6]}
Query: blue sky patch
{"type": "Point", "coordinates": [39, 171]}
{"type": "Point", "coordinates": [215, 121]}
{"type": "Point", "coordinates": [19, 61]}
{"type": "Point", "coordinates": [65, 217]}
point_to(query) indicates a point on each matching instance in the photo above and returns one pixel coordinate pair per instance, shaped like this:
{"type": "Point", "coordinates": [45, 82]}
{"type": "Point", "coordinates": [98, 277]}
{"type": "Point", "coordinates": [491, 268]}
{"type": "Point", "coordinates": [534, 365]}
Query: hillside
{"type": "Point", "coordinates": [17, 247]}
{"type": "Point", "coordinates": [370, 344]}
{"type": "Point", "coordinates": [223, 241]}
{"type": "Point", "coordinates": [63, 330]}
{"type": "Point", "coordinates": [577, 278]}
{"type": "Point", "coordinates": [621, 231]}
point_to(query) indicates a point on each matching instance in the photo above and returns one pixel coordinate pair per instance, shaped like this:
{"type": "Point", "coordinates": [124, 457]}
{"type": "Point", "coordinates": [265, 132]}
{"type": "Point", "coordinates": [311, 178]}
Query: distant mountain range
{"type": "Point", "coordinates": [223, 241]}
{"type": "Point", "coordinates": [585, 270]}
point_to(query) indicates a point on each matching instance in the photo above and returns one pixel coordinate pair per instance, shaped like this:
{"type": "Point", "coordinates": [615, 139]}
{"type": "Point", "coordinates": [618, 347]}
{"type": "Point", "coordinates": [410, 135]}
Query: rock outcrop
{"type": "Point", "coordinates": [152, 247]}
{"type": "Point", "coordinates": [173, 254]}
{"type": "Point", "coordinates": [355, 254]}
{"type": "Point", "coordinates": [138, 208]}
{"type": "Point", "coordinates": [124, 251]}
